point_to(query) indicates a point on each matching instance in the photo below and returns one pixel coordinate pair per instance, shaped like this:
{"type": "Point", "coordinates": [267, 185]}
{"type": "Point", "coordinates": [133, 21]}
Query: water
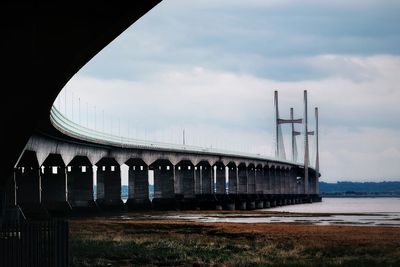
{"type": "Point", "coordinates": [331, 211]}
{"type": "Point", "coordinates": [347, 205]}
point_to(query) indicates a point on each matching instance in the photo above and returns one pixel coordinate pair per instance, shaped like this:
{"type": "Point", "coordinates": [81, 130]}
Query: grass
{"type": "Point", "coordinates": [111, 242]}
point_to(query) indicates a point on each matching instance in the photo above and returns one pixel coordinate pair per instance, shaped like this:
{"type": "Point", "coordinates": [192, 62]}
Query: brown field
{"type": "Point", "coordinates": [158, 242]}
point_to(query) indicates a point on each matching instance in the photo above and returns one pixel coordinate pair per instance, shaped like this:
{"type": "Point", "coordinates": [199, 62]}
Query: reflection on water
{"type": "Point", "coordinates": [332, 211]}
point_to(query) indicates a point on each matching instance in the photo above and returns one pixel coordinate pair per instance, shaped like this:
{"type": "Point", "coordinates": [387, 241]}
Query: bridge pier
{"type": "Point", "coordinates": [10, 211]}
{"type": "Point", "coordinates": [242, 176]}
{"type": "Point", "coordinates": [292, 183]}
{"type": "Point", "coordinates": [251, 187]}
{"type": "Point", "coordinates": [259, 186]}
{"type": "Point", "coordinates": [232, 179]}
{"type": "Point", "coordinates": [206, 200]}
{"type": "Point", "coordinates": [281, 181]}
{"type": "Point", "coordinates": [28, 187]}
{"type": "Point", "coordinates": [80, 184]}
{"type": "Point", "coordinates": [266, 186]}
{"type": "Point", "coordinates": [251, 179]}
{"type": "Point", "coordinates": [185, 184]}
{"type": "Point", "coordinates": [220, 178]}
{"type": "Point", "coordinates": [138, 185]}
{"type": "Point", "coordinates": [223, 200]}
{"type": "Point", "coordinates": [241, 202]}
{"type": "Point", "coordinates": [232, 186]}
{"type": "Point", "coordinates": [109, 185]}
{"type": "Point", "coordinates": [207, 179]}
{"type": "Point", "coordinates": [54, 185]}
{"type": "Point", "coordinates": [287, 186]}
{"type": "Point", "coordinates": [164, 185]}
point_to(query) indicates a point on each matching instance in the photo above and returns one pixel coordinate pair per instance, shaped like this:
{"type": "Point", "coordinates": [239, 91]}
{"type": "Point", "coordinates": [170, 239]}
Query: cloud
{"type": "Point", "coordinates": [262, 38]}
{"type": "Point", "coordinates": [358, 110]}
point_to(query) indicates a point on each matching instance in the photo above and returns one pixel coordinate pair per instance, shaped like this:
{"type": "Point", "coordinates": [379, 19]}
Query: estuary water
{"type": "Point", "coordinates": [331, 211]}
{"type": "Point", "coordinates": [347, 205]}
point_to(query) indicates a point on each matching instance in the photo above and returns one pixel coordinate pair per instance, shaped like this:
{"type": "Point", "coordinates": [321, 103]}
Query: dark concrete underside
{"type": "Point", "coordinates": [43, 45]}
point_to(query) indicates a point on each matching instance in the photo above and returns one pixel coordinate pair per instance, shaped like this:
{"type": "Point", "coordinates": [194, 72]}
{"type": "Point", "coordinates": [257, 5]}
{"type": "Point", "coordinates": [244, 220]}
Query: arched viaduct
{"type": "Point", "coordinates": [55, 174]}
{"type": "Point", "coordinates": [44, 45]}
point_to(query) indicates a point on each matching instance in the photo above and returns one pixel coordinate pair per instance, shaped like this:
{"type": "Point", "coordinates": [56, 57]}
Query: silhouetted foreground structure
{"type": "Point", "coordinates": [34, 244]}
{"type": "Point", "coordinates": [43, 45]}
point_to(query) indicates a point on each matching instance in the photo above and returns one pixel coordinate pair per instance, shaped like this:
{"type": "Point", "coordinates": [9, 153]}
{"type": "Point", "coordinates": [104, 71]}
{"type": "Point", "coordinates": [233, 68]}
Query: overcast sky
{"type": "Point", "coordinates": [211, 67]}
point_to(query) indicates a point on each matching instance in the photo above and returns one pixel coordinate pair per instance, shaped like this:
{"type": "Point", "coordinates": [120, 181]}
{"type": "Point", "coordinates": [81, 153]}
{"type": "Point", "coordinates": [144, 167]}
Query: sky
{"type": "Point", "coordinates": [211, 68]}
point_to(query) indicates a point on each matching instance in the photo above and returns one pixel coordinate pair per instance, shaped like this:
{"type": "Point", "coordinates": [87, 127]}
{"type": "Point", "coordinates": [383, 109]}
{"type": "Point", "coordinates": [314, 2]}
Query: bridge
{"type": "Point", "coordinates": [48, 163]}
{"type": "Point", "coordinates": [55, 173]}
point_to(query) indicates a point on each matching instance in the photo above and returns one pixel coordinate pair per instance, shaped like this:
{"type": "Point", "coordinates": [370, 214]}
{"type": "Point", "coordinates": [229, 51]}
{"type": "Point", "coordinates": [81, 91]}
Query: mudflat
{"type": "Point", "coordinates": [145, 240]}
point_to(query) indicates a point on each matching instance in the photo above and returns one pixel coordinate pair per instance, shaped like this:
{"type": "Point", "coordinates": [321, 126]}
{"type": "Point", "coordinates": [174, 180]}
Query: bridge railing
{"type": "Point", "coordinates": [70, 128]}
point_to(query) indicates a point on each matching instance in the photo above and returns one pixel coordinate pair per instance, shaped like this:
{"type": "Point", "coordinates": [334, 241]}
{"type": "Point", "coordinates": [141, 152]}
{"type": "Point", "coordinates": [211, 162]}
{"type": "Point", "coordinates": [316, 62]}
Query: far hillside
{"type": "Point", "coordinates": [360, 188]}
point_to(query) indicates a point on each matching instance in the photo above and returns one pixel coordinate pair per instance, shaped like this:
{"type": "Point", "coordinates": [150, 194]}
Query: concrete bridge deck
{"type": "Point", "coordinates": [55, 174]}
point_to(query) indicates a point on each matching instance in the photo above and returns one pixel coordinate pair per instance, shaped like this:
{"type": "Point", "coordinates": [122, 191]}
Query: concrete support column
{"type": "Point", "coordinates": [220, 179]}
{"type": "Point", "coordinates": [28, 185]}
{"type": "Point", "coordinates": [188, 181]}
{"type": "Point", "coordinates": [260, 185]}
{"type": "Point", "coordinates": [281, 181]}
{"type": "Point", "coordinates": [267, 180]}
{"type": "Point", "coordinates": [292, 182]}
{"type": "Point", "coordinates": [185, 185]}
{"type": "Point", "coordinates": [185, 179]}
{"type": "Point", "coordinates": [207, 179]}
{"type": "Point", "coordinates": [242, 175]}
{"type": "Point", "coordinates": [232, 179]}
{"type": "Point", "coordinates": [80, 186]}
{"type": "Point", "coordinates": [300, 184]}
{"type": "Point", "coordinates": [9, 210]}
{"type": "Point", "coordinates": [100, 182]}
{"type": "Point", "coordinates": [164, 185]}
{"type": "Point", "coordinates": [138, 185]}
{"type": "Point", "coordinates": [197, 180]}
{"type": "Point", "coordinates": [164, 181]}
{"type": "Point", "coordinates": [138, 182]}
{"type": "Point", "coordinates": [178, 180]}
{"type": "Point", "coordinates": [109, 184]}
{"type": "Point", "coordinates": [251, 179]}
{"type": "Point", "coordinates": [112, 184]}
{"type": "Point", "coordinates": [277, 181]}
{"type": "Point", "coordinates": [306, 184]}
{"type": "Point", "coordinates": [54, 185]}
{"type": "Point", "coordinates": [287, 182]}
{"type": "Point", "coordinates": [310, 183]}
{"type": "Point", "coordinates": [313, 184]}
{"type": "Point", "coordinates": [274, 180]}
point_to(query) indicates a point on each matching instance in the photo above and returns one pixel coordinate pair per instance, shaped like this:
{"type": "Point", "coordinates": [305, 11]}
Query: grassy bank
{"type": "Point", "coordinates": [141, 242]}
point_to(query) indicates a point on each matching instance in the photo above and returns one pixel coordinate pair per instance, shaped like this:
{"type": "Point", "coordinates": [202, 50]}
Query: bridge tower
{"type": "Point", "coordinates": [316, 151]}
{"type": "Point", "coordinates": [294, 134]}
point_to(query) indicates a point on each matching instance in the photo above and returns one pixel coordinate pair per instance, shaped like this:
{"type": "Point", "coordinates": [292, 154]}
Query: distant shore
{"type": "Point", "coordinates": [359, 195]}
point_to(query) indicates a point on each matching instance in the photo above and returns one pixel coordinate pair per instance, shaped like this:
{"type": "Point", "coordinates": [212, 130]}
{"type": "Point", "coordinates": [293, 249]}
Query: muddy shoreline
{"type": "Point", "coordinates": [150, 239]}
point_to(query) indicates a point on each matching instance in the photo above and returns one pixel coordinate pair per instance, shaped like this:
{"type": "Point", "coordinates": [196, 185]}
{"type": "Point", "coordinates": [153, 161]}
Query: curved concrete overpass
{"type": "Point", "coordinates": [45, 44]}
{"type": "Point", "coordinates": [57, 164]}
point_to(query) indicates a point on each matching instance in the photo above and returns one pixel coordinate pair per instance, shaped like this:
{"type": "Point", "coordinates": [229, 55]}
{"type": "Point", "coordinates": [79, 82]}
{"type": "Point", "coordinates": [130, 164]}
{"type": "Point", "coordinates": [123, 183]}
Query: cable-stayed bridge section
{"type": "Point", "coordinates": [55, 174]}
